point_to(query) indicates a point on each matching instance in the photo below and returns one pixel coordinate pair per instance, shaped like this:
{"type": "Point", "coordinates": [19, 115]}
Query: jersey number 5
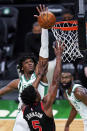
{"type": "Point", "coordinates": [36, 125]}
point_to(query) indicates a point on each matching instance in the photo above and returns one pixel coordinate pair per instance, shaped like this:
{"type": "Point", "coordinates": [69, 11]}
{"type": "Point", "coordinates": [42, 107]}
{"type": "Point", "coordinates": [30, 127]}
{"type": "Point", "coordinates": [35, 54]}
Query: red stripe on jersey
{"type": "Point", "coordinates": [23, 109]}
{"type": "Point", "coordinates": [42, 106]}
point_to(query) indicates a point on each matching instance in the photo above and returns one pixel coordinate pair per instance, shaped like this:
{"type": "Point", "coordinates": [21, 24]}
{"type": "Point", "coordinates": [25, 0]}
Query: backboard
{"type": "Point", "coordinates": [81, 25]}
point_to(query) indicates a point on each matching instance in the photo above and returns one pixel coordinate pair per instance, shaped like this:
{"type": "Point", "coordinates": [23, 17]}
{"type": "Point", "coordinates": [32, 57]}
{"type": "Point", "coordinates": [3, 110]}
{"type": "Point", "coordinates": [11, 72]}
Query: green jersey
{"type": "Point", "coordinates": [42, 87]}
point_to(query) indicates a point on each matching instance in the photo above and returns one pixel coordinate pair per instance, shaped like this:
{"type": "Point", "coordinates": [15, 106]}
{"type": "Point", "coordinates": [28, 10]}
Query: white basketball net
{"type": "Point", "coordinates": [67, 33]}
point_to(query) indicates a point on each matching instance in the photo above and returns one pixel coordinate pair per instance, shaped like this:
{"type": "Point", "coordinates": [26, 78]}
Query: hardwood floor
{"type": "Point", "coordinates": [77, 125]}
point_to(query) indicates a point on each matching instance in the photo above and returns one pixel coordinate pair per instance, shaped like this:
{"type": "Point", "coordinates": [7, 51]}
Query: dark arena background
{"type": "Point", "coordinates": [16, 23]}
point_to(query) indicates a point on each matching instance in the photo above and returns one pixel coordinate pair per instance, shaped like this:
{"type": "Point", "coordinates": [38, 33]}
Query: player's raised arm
{"type": "Point", "coordinates": [81, 94]}
{"type": "Point", "coordinates": [41, 71]}
{"type": "Point", "coordinates": [56, 76]}
{"type": "Point", "coordinates": [10, 87]}
{"type": "Point", "coordinates": [41, 9]}
{"type": "Point", "coordinates": [44, 52]}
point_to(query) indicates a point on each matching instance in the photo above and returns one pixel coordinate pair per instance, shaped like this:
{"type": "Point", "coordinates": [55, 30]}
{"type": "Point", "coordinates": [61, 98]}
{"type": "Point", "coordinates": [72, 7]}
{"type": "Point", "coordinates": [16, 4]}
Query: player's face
{"type": "Point", "coordinates": [28, 66]}
{"type": "Point", "coordinates": [36, 29]}
{"type": "Point", "coordinates": [66, 80]}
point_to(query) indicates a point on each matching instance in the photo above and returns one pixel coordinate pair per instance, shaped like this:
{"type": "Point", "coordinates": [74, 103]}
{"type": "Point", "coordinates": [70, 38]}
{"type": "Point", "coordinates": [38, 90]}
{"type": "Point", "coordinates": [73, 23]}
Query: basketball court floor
{"type": "Point", "coordinates": [61, 109]}
{"type": "Point", "coordinates": [77, 125]}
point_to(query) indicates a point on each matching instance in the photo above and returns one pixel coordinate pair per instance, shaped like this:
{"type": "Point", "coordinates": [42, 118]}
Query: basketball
{"type": "Point", "coordinates": [46, 20]}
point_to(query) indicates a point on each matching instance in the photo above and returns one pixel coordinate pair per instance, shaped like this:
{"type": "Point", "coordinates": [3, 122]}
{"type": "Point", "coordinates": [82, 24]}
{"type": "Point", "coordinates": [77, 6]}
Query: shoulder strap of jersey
{"type": "Point", "coordinates": [75, 86]}
{"type": "Point", "coordinates": [21, 79]}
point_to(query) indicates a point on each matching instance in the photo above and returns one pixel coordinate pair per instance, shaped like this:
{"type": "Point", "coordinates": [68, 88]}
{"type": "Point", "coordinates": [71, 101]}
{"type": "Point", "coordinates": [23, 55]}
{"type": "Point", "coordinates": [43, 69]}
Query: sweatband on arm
{"type": "Point", "coordinates": [44, 52]}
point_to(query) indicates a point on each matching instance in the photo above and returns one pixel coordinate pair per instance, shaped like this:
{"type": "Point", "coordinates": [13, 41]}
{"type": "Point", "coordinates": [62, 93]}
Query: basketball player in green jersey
{"type": "Point", "coordinates": [29, 75]}
{"type": "Point", "coordinates": [77, 96]}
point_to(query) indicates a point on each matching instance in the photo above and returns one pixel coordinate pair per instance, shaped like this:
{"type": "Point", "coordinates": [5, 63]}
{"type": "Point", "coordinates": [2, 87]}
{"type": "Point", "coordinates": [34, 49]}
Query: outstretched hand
{"type": "Point", "coordinates": [41, 9]}
{"type": "Point", "coordinates": [58, 49]}
{"type": "Point", "coordinates": [42, 68]}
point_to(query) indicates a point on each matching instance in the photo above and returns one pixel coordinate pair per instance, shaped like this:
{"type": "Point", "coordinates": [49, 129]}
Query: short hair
{"type": "Point", "coordinates": [68, 71]}
{"type": "Point", "coordinates": [68, 68]}
{"type": "Point", "coordinates": [35, 24]}
{"type": "Point", "coordinates": [28, 95]}
{"type": "Point", "coordinates": [22, 59]}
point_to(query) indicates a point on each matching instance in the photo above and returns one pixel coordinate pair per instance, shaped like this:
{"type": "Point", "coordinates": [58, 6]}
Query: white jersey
{"type": "Point", "coordinates": [42, 87]}
{"type": "Point", "coordinates": [79, 105]}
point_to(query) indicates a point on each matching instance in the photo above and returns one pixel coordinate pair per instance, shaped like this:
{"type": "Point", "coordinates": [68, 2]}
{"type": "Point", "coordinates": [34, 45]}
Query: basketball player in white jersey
{"type": "Point", "coordinates": [29, 75]}
{"type": "Point", "coordinates": [77, 96]}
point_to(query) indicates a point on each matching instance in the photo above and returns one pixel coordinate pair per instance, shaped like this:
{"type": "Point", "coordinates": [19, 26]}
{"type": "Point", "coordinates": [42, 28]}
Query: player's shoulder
{"type": "Point", "coordinates": [77, 82]}
{"type": "Point", "coordinates": [78, 88]}
{"type": "Point", "coordinates": [80, 91]}
{"type": "Point", "coordinates": [77, 85]}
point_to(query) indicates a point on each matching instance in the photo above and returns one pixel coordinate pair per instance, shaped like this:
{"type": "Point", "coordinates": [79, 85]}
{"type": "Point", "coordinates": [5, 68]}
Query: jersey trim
{"type": "Point", "coordinates": [26, 79]}
{"type": "Point", "coordinates": [43, 84]}
{"type": "Point", "coordinates": [42, 106]}
{"type": "Point", "coordinates": [73, 90]}
{"type": "Point", "coordinates": [30, 77]}
{"type": "Point", "coordinates": [19, 85]}
{"type": "Point", "coordinates": [23, 109]}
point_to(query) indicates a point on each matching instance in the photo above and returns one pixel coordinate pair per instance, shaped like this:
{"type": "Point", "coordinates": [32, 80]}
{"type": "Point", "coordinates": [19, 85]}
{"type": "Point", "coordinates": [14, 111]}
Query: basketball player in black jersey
{"type": "Point", "coordinates": [37, 112]}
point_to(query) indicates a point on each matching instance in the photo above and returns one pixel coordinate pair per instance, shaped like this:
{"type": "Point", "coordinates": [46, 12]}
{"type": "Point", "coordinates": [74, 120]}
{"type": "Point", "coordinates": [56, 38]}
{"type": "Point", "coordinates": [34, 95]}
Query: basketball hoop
{"type": "Point", "coordinates": [67, 33]}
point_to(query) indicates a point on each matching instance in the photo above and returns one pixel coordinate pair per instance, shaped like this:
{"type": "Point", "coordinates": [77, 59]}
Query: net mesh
{"type": "Point", "coordinates": [67, 33]}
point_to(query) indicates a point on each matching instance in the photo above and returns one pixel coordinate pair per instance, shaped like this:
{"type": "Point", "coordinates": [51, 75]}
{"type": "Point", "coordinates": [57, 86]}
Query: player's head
{"type": "Point", "coordinates": [36, 29]}
{"type": "Point", "coordinates": [27, 64]}
{"type": "Point", "coordinates": [30, 95]}
{"type": "Point", "coordinates": [67, 15]}
{"type": "Point", "coordinates": [66, 79]}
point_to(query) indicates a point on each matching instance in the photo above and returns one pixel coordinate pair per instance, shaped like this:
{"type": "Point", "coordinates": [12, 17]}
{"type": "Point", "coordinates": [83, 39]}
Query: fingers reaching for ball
{"type": "Point", "coordinates": [58, 49]}
{"type": "Point", "coordinates": [46, 19]}
{"type": "Point", "coordinates": [40, 9]}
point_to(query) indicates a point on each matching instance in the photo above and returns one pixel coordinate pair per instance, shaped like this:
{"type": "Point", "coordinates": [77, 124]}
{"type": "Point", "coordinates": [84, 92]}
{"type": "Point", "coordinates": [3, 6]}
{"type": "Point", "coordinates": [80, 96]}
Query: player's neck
{"type": "Point", "coordinates": [27, 76]}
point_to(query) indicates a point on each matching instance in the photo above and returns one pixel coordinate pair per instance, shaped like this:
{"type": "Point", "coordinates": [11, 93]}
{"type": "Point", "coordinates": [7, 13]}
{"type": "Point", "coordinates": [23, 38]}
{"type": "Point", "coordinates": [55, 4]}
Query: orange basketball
{"type": "Point", "coordinates": [46, 20]}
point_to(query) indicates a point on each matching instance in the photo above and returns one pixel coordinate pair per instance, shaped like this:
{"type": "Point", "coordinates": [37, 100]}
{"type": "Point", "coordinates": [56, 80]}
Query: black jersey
{"type": "Point", "coordinates": [37, 119]}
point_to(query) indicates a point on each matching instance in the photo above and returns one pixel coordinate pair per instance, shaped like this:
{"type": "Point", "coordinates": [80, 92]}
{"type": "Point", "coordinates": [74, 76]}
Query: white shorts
{"type": "Point", "coordinates": [85, 125]}
{"type": "Point", "coordinates": [20, 123]}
